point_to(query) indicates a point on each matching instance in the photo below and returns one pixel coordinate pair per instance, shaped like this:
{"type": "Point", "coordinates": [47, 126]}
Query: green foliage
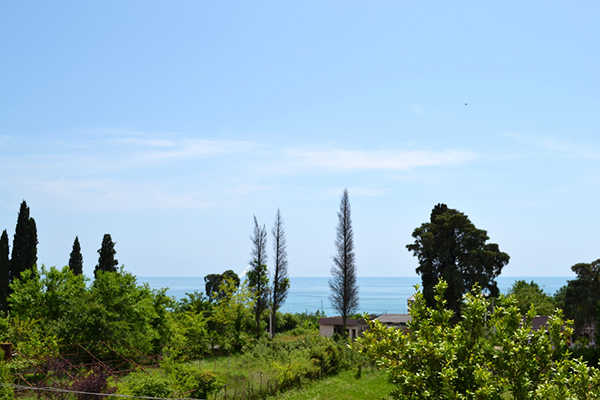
{"type": "Point", "coordinates": [149, 385]}
{"type": "Point", "coordinates": [119, 311]}
{"type": "Point", "coordinates": [29, 337]}
{"type": "Point", "coordinates": [6, 392]}
{"type": "Point", "coordinates": [258, 278]}
{"type": "Point", "coordinates": [531, 294]}
{"type": "Point", "coordinates": [451, 248]}
{"type": "Point", "coordinates": [231, 317]}
{"type": "Point", "coordinates": [344, 386]}
{"type": "Point", "coordinates": [190, 338]}
{"type": "Point", "coordinates": [213, 282]}
{"type": "Point", "coordinates": [281, 282]}
{"type": "Point", "coordinates": [114, 309]}
{"type": "Point", "coordinates": [344, 288]}
{"type": "Point", "coordinates": [279, 364]}
{"type": "Point", "coordinates": [582, 300]}
{"type": "Point", "coordinates": [76, 259]}
{"type": "Point", "coordinates": [47, 295]}
{"type": "Point", "coordinates": [24, 251]}
{"type": "Point", "coordinates": [4, 272]}
{"type": "Point", "coordinates": [194, 302]}
{"type": "Point", "coordinates": [195, 383]}
{"type": "Point", "coordinates": [488, 354]}
{"type": "Point", "coordinates": [106, 259]}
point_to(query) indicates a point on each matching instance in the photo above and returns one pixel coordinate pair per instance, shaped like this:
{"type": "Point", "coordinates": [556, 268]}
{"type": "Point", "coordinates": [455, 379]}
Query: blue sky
{"type": "Point", "coordinates": [170, 124]}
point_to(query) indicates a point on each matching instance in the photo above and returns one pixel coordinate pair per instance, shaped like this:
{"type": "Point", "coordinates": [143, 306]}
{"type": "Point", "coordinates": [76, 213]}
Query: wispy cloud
{"type": "Point", "coordinates": [201, 148]}
{"type": "Point", "coordinates": [389, 160]}
{"type": "Point", "coordinates": [132, 170]}
{"type": "Point", "coordinates": [557, 145]}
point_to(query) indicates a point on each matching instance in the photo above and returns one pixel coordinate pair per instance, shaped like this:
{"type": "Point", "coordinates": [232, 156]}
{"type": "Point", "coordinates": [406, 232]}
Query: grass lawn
{"type": "Point", "coordinates": [345, 386]}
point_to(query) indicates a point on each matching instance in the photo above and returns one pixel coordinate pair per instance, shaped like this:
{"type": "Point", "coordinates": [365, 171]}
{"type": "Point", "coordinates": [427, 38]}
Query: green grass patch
{"type": "Point", "coordinates": [371, 385]}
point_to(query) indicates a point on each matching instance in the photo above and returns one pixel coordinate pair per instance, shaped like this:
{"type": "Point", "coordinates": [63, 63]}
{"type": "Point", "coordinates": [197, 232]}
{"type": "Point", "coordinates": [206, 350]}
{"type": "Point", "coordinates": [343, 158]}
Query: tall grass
{"type": "Point", "coordinates": [270, 367]}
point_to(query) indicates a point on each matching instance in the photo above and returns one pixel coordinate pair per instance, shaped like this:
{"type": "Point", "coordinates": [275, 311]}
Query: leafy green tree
{"type": "Point", "coordinates": [232, 317]}
{"type": "Point", "coordinates": [47, 296]}
{"type": "Point", "coordinates": [106, 261]}
{"type": "Point", "coordinates": [76, 259]}
{"type": "Point", "coordinates": [281, 282]}
{"type": "Point", "coordinates": [258, 279]}
{"type": "Point", "coordinates": [113, 309]}
{"type": "Point", "coordinates": [196, 302]}
{"type": "Point", "coordinates": [24, 251]}
{"type": "Point", "coordinates": [531, 294]}
{"type": "Point", "coordinates": [117, 311]}
{"type": "Point", "coordinates": [491, 353]}
{"type": "Point", "coordinates": [212, 283]}
{"type": "Point", "coordinates": [344, 289]}
{"type": "Point", "coordinates": [451, 248]}
{"type": "Point", "coordinates": [4, 272]}
{"type": "Point", "coordinates": [582, 299]}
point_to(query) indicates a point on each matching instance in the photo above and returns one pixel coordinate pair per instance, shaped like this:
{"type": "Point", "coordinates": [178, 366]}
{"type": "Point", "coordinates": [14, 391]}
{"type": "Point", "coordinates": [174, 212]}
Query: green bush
{"type": "Point", "coordinates": [6, 392]}
{"type": "Point", "coordinates": [192, 382]}
{"type": "Point", "coordinates": [295, 372]}
{"type": "Point", "coordinates": [143, 384]}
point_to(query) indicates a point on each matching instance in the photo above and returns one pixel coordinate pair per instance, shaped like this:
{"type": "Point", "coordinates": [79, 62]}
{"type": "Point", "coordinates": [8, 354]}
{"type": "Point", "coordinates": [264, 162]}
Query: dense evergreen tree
{"type": "Point", "coordinates": [582, 300]}
{"type": "Point", "coordinates": [4, 271]}
{"type": "Point", "coordinates": [24, 251]}
{"type": "Point", "coordinates": [281, 283]}
{"type": "Point", "coordinates": [258, 279]}
{"type": "Point", "coordinates": [451, 248]}
{"type": "Point", "coordinates": [106, 261]}
{"type": "Point", "coordinates": [344, 288]}
{"type": "Point", "coordinates": [76, 259]}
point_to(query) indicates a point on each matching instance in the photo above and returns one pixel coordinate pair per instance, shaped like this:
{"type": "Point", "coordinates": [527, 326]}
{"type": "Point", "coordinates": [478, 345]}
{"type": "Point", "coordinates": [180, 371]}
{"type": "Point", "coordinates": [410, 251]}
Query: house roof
{"type": "Point", "coordinates": [395, 319]}
{"type": "Point", "coordinates": [338, 321]}
{"type": "Point", "coordinates": [539, 322]}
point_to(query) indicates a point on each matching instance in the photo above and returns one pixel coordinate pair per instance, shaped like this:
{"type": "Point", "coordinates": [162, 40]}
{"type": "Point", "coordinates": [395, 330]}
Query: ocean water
{"type": "Point", "coordinates": [383, 295]}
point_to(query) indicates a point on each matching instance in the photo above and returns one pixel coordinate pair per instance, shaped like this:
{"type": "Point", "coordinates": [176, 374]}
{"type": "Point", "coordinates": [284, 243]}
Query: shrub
{"type": "Point", "coordinates": [93, 382]}
{"type": "Point", "coordinates": [6, 392]}
{"type": "Point", "coordinates": [192, 382]}
{"type": "Point", "coordinates": [147, 385]}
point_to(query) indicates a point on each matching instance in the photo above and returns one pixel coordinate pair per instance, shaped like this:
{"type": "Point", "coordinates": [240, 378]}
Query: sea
{"type": "Point", "coordinates": [378, 295]}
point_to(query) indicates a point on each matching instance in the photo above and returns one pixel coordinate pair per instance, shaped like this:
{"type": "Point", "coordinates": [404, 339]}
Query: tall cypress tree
{"type": "Point", "coordinates": [343, 285]}
{"type": "Point", "coordinates": [106, 260]}
{"type": "Point", "coordinates": [281, 282]}
{"type": "Point", "coordinates": [24, 251]}
{"type": "Point", "coordinates": [4, 271]}
{"type": "Point", "coordinates": [76, 259]}
{"type": "Point", "coordinates": [258, 278]}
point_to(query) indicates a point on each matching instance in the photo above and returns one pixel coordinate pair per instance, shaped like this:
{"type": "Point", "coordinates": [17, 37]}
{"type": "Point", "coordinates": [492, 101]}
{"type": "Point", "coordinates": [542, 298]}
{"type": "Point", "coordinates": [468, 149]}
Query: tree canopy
{"type": "Point", "coordinates": [213, 283]}
{"type": "Point", "coordinates": [531, 294]}
{"type": "Point", "coordinates": [24, 251]}
{"type": "Point", "coordinates": [76, 259]}
{"type": "Point", "coordinates": [451, 248]}
{"type": "Point", "coordinates": [491, 353]}
{"type": "Point", "coordinates": [582, 299]}
{"type": "Point", "coordinates": [106, 260]}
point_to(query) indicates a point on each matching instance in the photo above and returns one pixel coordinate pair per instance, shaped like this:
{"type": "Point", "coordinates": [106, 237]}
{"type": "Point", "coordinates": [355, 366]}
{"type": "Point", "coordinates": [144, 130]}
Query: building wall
{"type": "Point", "coordinates": [326, 330]}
